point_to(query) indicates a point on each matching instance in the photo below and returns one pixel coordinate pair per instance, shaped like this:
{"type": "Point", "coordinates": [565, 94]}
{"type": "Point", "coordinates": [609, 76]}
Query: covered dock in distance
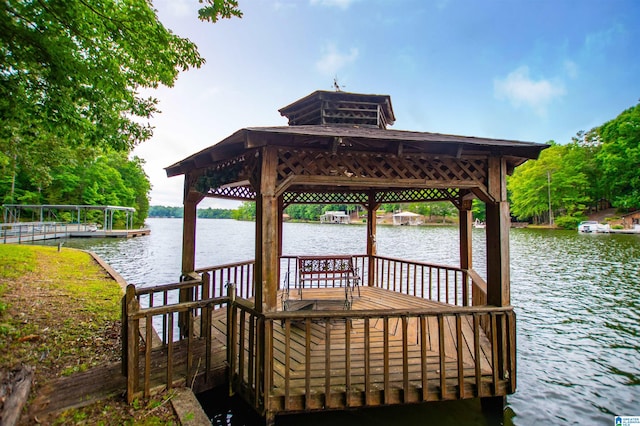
{"type": "Point", "coordinates": [376, 330]}
{"type": "Point", "coordinates": [14, 213]}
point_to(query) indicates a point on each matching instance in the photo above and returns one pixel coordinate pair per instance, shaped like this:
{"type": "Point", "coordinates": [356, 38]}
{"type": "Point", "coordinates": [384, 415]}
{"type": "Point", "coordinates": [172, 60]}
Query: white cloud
{"type": "Point", "coordinates": [571, 68]}
{"type": "Point", "coordinates": [333, 60]}
{"type": "Point", "coordinates": [342, 4]}
{"type": "Point", "coordinates": [181, 8]}
{"type": "Point", "coordinates": [520, 89]}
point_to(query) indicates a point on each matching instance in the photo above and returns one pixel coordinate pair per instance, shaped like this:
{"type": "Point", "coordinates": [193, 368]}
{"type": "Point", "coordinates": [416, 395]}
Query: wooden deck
{"type": "Point", "coordinates": [389, 348]}
{"type": "Point", "coordinates": [333, 363]}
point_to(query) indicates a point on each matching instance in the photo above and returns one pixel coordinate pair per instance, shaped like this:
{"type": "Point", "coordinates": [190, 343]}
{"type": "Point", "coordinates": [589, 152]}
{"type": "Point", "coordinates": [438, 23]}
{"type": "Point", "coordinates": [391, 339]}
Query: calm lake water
{"type": "Point", "coordinates": [577, 298]}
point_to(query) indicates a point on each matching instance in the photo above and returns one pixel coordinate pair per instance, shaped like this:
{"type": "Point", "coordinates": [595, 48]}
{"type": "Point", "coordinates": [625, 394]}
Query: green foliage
{"type": "Point", "coordinates": [210, 213]}
{"type": "Point", "coordinates": [619, 157]}
{"type": "Point", "coordinates": [599, 164]}
{"type": "Point", "coordinates": [246, 211]}
{"type": "Point", "coordinates": [219, 9]}
{"type": "Point", "coordinates": [563, 172]}
{"type": "Point", "coordinates": [479, 210]}
{"type": "Point", "coordinates": [71, 74]}
{"type": "Point", "coordinates": [569, 222]}
{"type": "Point", "coordinates": [165, 211]}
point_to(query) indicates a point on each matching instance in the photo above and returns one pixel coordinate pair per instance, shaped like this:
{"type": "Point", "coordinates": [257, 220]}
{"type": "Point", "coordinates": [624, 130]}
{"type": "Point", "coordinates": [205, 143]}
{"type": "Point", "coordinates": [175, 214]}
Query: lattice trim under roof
{"type": "Point", "coordinates": [242, 193]}
{"type": "Point", "coordinates": [419, 195]}
{"type": "Point", "coordinates": [318, 197]}
{"type": "Point", "coordinates": [377, 166]}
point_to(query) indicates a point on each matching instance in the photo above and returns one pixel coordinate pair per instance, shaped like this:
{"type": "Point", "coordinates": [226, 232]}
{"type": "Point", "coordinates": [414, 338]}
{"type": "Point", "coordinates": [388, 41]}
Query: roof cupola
{"type": "Point", "coordinates": [342, 109]}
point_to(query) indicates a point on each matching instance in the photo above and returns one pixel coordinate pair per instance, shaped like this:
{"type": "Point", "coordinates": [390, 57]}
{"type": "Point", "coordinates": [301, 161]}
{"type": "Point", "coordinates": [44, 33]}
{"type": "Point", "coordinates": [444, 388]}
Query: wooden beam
{"type": "Point", "coordinates": [267, 234]}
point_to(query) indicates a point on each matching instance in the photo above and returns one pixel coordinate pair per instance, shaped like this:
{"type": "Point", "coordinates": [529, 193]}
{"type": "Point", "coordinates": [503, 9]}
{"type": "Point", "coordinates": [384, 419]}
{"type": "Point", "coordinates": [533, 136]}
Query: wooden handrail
{"type": "Point", "coordinates": [386, 378]}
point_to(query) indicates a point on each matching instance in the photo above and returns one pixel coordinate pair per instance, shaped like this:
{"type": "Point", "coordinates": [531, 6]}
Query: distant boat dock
{"type": "Point", "coordinates": [83, 224]}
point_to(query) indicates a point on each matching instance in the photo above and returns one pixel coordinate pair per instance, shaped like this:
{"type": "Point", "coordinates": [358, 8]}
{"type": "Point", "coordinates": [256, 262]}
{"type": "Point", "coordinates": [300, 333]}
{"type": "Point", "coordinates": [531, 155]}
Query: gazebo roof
{"type": "Point", "coordinates": [354, 139]}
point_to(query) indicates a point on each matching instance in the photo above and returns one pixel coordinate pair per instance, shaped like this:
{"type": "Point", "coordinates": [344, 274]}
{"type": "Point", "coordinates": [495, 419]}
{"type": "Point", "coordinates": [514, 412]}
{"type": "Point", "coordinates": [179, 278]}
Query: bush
{"type": "Point", "coordinates": [568, 222]}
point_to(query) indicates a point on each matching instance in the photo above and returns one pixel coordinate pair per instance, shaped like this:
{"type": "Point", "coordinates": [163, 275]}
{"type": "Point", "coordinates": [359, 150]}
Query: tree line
{"type": "Point", "coordinates": [177, 212]}
{"type": "Point", "coordinates": [597, 169]}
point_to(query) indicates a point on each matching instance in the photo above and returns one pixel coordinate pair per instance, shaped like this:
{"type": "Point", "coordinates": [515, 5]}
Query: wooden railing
{"type": "Point", "coordinates": [240, 273]}
{"type": "Point", "coordinates": [372, 371]}
{"type": "Point", "coordinates": [439, 283]}
{"type": "Point", "coordinates": [171, 317]}
{"type": "Point", "coordinates": [174, 359]}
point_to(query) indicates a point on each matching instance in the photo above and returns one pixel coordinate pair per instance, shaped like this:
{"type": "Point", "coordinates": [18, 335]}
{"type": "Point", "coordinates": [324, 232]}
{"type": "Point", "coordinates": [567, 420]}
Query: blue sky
{"type": "Point", "coordinates": [534, 70]}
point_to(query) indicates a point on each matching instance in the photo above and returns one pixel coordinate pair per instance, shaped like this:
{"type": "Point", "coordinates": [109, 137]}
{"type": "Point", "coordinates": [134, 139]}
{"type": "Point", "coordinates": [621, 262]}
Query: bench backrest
{"type": "Point", "coordinates": [325, 265]}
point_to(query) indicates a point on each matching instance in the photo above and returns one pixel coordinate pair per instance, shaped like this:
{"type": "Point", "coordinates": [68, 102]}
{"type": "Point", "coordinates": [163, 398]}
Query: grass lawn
{"type": "Point", "coordinates": [60, 313]}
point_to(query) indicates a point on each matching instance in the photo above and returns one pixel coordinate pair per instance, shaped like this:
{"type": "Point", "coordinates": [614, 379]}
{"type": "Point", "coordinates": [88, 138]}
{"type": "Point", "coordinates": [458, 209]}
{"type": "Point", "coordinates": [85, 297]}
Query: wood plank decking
{"type": "Point", "coordinates": [333, 363]}
{"type": "Point", "coordinates": [389, 348]}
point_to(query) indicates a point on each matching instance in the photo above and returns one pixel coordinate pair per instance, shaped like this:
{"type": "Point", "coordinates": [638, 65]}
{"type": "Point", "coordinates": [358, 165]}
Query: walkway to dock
{"type": "Point", "coordinates": [29, 232]}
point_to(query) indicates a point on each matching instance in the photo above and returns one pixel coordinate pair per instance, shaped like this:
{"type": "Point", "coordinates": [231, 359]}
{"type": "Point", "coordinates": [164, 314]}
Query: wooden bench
{"type": "Point", "coordinates": [323, 272]}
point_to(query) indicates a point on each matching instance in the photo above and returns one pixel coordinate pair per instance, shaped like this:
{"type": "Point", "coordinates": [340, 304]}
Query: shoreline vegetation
{"type": "Point", "coordinates": [60, 314]}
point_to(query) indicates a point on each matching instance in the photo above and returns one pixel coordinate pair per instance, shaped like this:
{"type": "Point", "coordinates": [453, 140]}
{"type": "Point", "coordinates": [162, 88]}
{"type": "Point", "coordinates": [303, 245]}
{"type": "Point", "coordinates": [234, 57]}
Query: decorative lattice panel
{"type": "Point", "coordinates": [236, 192]}
{"type": "Point", "coordinates": [214, 180]}
{"type": "Point", "coordinates": [325, 197]}
{"type": "Point", "coordinates": [419, 195]}
{"type": "Point", "coordinates": [380, 166]}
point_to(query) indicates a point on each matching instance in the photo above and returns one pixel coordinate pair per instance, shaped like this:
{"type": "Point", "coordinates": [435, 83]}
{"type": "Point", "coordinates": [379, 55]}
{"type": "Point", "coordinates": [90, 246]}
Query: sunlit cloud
{"type": "Point", "coordinates": [342, 4]}
{"type": "Point", "coordinates": [520, 89]}
{"type": "Point", "coordinates": [333, 60]}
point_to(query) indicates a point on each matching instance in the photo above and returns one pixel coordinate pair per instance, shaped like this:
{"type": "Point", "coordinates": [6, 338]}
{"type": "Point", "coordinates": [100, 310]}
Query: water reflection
{"type": "Point", "coordinates": [577, 298]}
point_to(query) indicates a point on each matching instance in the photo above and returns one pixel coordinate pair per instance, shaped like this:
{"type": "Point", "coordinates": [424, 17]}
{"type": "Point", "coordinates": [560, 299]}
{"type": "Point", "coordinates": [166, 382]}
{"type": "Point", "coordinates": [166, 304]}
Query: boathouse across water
{"type": "Point", "coordinates": [291, 333]}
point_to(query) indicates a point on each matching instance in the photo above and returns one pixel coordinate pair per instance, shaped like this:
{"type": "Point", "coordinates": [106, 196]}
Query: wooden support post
{"type": "Point", "coordinates": [497, 231]}
{"type": "Point", "coordinates": [498, 275]}
{"type": "Point", "coordinates": [465, 225]}
{"type": "Point", "coordinates": [267, 244]}
{"type": "Point", "coordinates": [133, 344]}
{"type": "Point", "coordinates": [372, 248]}
{"type": "Point", "coordinates": [466, 246]}
{"type": "Point", "coordinates": [190, 205]}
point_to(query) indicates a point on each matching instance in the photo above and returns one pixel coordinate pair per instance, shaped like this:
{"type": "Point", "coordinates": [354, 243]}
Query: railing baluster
{"type": "Point", "coordinates": [443, 354]}
{"type": "Point", "coordinates": [511, 324]}
{"type": "Point", "coordinates": [242, 365]}
{"type": "Point", "coordinates": [476, 353]}
{"type": "Point", "coordinates": [327, 363]}
{"type": "Point", "coordinates": [385, 357]}
{"type": "Point", "coordinates": [347, 362]}
{"type": "Point", "coordinates": [494, 352]}
{"type": "Point", "coordinates": [147, 354]}
{"type": "Point", "coordinates": [170, 354]}
{"type": "Point", "coordinates": [367, 362]}
{"type": "Point", "coordinates": [307, 363]}
{"type": "Point", "coordinates": [423, 353]}
{"type": "Point", "coordinates": [287, 363]}
{"type": "Point", "coordinates": [460, 344]}
{"type": "Point", "coordinates": [405, 359]}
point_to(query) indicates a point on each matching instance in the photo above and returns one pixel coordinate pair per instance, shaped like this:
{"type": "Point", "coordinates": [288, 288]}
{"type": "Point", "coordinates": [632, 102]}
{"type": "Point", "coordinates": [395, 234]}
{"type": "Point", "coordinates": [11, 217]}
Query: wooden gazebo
{"type": "Point", "coordinates": [429, 332]}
